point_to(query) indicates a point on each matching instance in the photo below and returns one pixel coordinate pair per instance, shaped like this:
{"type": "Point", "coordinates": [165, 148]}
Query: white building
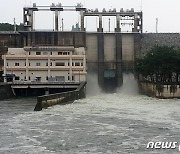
{"type": "Point", "coordinates": [45, 64]}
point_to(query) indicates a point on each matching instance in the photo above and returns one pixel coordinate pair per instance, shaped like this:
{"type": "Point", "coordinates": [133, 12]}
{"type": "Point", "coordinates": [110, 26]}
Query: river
{"type": "Point", "coordinates": [122, 122]}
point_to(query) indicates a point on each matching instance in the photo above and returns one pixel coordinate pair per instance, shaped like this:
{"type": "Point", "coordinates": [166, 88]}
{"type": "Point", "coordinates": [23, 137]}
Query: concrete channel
{"type": "Point", "coordinates": [46, 101]}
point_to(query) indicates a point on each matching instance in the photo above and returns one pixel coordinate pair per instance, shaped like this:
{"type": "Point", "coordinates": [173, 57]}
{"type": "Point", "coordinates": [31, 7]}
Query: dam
{"type": "Point", "coordinates": [107, 54]}
{"type": "Point", "coordinates": [119, 122]}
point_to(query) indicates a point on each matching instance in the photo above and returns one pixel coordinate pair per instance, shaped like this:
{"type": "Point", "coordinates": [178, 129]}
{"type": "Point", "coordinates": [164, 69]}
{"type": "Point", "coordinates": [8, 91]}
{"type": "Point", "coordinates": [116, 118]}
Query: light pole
{"type": "Point", "coordinates": [156, 25]}
{"type": "Point", "coordinates": [62, 24]}
{"type": "Point", "coordinates": [109, 24]}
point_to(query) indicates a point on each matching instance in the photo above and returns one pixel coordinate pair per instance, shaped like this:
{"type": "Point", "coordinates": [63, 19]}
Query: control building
{"type": "Point", "coordinates": [45, 64]}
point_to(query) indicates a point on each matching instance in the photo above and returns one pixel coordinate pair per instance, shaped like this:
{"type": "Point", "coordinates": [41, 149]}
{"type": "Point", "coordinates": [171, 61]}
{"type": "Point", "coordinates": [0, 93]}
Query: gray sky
{"type": "Point", "coordinates": [167, 12]}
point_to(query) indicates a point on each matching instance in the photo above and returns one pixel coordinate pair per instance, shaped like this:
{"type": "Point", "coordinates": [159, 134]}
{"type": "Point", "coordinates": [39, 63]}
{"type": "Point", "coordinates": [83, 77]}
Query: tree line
{"type": "Point", "coordinates": [10, 27]}
{"type": "Point", "coordinates": [160, 65]}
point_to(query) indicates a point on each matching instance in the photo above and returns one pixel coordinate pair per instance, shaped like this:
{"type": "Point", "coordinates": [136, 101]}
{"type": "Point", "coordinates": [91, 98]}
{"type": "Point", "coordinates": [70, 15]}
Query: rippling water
{"type": "Point", "coordinates": [105, 123]}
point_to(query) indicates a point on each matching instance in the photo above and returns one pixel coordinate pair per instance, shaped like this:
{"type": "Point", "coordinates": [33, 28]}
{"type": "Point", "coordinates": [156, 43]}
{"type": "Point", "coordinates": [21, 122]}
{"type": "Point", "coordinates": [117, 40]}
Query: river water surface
{"type": "Point", "coordinates": [122, 122]}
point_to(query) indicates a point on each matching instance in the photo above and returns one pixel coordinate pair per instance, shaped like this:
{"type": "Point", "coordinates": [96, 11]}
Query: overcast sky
{"type": "Point", "coordinates": [167, 12]}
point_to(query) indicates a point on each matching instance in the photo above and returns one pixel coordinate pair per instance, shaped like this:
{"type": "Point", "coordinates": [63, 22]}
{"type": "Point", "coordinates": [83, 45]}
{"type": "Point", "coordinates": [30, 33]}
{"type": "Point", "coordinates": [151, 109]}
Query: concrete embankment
{"type": "Point", "coordinates": [5, 91]}
{"type": "Point", "coordinates": [46, 101]}
{"type": "Point", "coordinates": [163, 90]}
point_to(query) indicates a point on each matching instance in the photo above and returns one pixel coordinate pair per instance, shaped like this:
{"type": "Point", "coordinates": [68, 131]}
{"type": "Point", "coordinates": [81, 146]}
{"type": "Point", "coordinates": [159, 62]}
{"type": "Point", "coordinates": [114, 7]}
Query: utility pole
{"type": "Point", "coordinates": [62, 24]}
{"type": "Point", "coordinates": [14, 25]}
{"type": "Point", "coordinates": [109, 24]}
{"type": "Point", "coordinates": [156, 25]}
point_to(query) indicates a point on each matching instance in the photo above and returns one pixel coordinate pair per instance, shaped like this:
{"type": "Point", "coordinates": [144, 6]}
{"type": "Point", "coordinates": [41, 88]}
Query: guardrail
{"type": "Point", "coordinates": [43, 83]}
{"type": "Point", "coordinates": [46, 101]}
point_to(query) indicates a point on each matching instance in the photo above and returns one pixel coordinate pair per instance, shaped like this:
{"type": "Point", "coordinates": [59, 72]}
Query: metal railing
{"type": "Point", "coordinates": [45, 83]}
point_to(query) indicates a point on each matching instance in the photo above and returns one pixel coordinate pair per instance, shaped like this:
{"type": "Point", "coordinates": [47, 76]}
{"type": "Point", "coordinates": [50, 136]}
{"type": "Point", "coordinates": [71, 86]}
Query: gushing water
{"type": "Point", "coordinates": [121, 122]}
{"type": "Point", "coordinates": [93, 88]}
{"type": "Point", "coordinates": [130, 86]}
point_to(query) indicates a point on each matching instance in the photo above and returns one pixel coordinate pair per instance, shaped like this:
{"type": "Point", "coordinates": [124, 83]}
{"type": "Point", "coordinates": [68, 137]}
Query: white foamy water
{"type": "Point", "coordinates": [93, 88]}
{"type": "Point", "coordinates": [121, 122]}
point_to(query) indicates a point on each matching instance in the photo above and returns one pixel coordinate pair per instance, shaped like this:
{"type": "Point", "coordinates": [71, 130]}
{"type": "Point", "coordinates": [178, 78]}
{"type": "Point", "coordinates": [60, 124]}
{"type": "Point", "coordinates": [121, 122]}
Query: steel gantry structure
{"type": "Point", "coordinates": [123, 17]}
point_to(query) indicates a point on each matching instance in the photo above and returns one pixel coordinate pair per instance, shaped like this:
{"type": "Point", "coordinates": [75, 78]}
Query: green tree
{"type": "Point", "coordinates": [10, 27]}
{"type": "Point", "coordinates": [161, 64]}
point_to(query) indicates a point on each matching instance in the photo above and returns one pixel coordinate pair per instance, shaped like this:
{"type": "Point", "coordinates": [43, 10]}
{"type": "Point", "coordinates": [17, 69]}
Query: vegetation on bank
{"type": "Point", "coordinates": [10, 27]}
{"type": "Point", "coordinates": [161, 64]}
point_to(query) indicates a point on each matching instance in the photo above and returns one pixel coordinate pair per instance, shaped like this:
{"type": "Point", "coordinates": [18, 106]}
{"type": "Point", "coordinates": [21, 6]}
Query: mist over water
{"type": "Point", "coordinates": [130, 85]}
{"type": "Point", "coordinates": [93, 88]}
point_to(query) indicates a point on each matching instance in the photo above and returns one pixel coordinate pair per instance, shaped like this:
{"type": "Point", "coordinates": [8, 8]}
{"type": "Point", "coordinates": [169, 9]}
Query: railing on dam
{"type": "Point", "coordinates": [46, 101]}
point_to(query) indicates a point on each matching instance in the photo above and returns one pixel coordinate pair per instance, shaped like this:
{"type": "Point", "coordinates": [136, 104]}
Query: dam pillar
{"type": "Point", "coordinates": [56, 20]}
{"type": "Point", "coordinates": [135, 29]}
{"type": "Point", "coordinates": [100, 29]}
{"type": "Point", "coordinates": [31, 20]}
{"type": "Point", "coordinates": [137, 49]}
{"type": "Point", "coordinates": [82, 21]}
{"type": "Point", "coordinates": [28, 14]}
{"type": "Point", "coordinates": [101, 59]}
{"type": "Point", "coordinates": [119, 75]}
{"type": "Point", "coordinates": [118, 29]}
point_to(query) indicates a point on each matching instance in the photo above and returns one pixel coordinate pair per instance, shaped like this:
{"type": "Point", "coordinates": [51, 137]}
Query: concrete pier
{"type": "Point", "coordinates": [56, 21]}
{"type": "Point", "coordinates": [101, 59]}
{"type": "Point", "coordinates": [100, 29]}
{"type": "Point", "coordinates": [117, 29]}
{"type": "Point", "coordinates": [119, 76]}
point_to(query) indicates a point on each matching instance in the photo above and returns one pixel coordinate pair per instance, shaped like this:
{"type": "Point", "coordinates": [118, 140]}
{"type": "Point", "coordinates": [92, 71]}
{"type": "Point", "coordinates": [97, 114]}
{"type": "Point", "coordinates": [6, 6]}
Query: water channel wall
{"type": "Point", "coordinates": [163, 90]}
{"type": "Point", "coordinates": [5, 91]}
{"type": "Point", "coordinates": [46, 101]}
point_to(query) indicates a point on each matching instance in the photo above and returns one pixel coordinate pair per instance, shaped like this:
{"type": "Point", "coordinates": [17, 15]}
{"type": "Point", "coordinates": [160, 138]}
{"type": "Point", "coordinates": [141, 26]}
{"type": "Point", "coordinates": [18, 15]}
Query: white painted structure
{"type": "Point", "coordinates": [45, 64]}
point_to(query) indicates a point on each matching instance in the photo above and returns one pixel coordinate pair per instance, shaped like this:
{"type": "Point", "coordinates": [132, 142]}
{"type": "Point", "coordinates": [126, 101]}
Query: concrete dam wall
{"type": "Point", "coordinates": [108, 48]}
{"type": "Point", "coordinates": [108, 54]}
